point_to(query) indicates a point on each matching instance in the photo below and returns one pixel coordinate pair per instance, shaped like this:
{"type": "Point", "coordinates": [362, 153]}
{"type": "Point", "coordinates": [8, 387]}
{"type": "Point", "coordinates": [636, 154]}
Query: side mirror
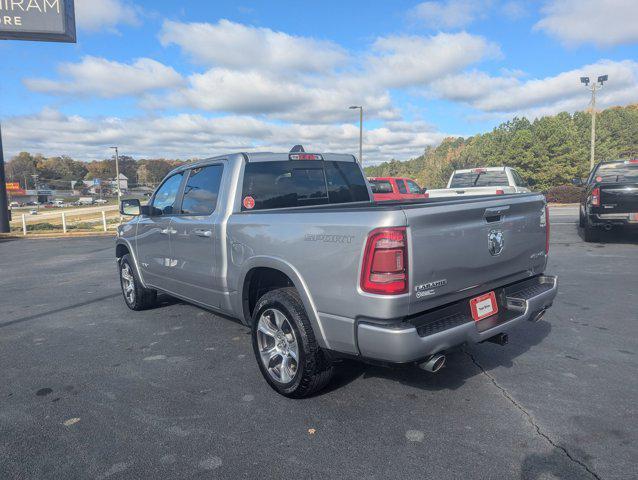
{"type": "Point", "coordinates": [577, 181]}
{"type": "Point", "coordinates": [423, 190]}
{"type": "Point", "coordinates": [131, 207]}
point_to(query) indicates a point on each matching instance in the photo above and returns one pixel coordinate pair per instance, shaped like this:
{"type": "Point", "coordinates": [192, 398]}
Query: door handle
{"type": "Point", "coordinates": [203, 233]}
{"type": "Point", "coordinates": [166, 231]}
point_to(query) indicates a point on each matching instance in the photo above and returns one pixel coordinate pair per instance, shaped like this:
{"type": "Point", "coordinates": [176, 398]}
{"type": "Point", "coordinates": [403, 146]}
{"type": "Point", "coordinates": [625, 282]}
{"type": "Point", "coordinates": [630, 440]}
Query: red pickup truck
{"type": "Point", "coordinates": [394, 188]}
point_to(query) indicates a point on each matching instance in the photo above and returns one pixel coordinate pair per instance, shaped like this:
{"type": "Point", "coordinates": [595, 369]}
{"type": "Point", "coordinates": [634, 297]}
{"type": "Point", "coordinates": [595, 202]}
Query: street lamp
{"type": "Point", "coordinates": [593, 88]}
{"type": "Point", "coordinates": [360, 108]}
{"type": "Point", "coordinates": [117, 174]}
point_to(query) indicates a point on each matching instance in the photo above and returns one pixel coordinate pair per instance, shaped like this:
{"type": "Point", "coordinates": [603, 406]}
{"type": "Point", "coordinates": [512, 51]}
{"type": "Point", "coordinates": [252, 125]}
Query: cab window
{"type": "Point", "coordinates": [414, 188]}
{"type": "Point", "coordinates": [166, 195]}
{"type": "Point", "coordinates": [401, 186]}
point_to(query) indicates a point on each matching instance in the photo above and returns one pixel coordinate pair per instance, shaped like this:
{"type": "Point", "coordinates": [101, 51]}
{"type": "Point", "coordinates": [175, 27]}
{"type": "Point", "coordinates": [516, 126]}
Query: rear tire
{"type": "Point", "coordinates": [135, 295]}
{"type": "Point", "coordinates": [591, 234]}
{"type": "Point", "coordinates": [282, 331]}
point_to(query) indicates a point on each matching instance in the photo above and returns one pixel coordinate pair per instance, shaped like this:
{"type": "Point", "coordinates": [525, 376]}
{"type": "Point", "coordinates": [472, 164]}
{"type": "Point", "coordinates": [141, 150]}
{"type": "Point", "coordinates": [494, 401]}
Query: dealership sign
{"type": "Point", "coordinates": [39, 20]}
{"type": "Point", "coordinates": [15, 188]}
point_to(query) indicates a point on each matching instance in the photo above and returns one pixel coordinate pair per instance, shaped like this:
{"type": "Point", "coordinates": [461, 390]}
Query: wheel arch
{"type": "Point", "coordinates": [123, 247]}
{"type": "Point", "coordinates": [280, 274]}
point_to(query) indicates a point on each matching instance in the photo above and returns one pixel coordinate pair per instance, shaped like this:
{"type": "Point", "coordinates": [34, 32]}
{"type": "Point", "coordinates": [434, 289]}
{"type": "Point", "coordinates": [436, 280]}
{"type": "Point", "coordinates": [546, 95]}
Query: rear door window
{"type": "Point", "coordinates": [401, 186]}
{"type": "Point", "coordinates": [202, 189]}
{"type": "Point", "coordinates": [302, 183]}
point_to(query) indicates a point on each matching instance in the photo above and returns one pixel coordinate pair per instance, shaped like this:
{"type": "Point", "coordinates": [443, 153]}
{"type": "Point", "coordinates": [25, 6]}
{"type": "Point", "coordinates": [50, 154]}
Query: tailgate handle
{"type": "Point", "coordinates": [495, 214]}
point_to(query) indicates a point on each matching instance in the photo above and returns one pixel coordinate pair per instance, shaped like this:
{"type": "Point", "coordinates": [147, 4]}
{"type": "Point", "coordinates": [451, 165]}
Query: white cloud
{"type": "Point", "coordinates": [195, 136]}
{"type": "Point", "coordinates": [107, 79]}
{"type": "Point", "coordinates": [449, 14]}
{"type": "Point", "coordinates": [415, 60]}
{"type": "Point", "coordinates": [535, 97]}
{"type": "Point", "coordinates": [515, 9]}
{"type": "Point", "coordinates": [313, 97]}
{"type": "Point", "coordinates": [305, 99]}
{"type": "Point", "coordinates": [243, 47]}
{"type": "Point", "coordinates": [95, 15]}
{"type": "Point", "coordinates": [601, 22]}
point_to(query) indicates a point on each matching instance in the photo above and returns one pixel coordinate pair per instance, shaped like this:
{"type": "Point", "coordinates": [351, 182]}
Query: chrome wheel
{"type": "Point", "coordinates": [128, 283]}
{"type": "Point", "coordinates": [278, 346]}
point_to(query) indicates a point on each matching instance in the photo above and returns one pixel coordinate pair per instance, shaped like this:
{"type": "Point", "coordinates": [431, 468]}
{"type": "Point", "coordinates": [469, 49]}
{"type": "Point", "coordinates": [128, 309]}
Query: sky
{"type": "Point", "coordinates": [194, 79]}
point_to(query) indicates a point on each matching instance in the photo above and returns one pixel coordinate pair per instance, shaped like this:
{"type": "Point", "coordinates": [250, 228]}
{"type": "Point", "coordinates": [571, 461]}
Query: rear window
{"type": "Point", "coordinates": [619, 172]}
{"type": "Point", "coordinates": [381, 186]}
{"type": "Point", "coordinates": [302, 183]}
{"type": "Point", "coordinates": [479, 179]}
{"type": "Point", "coordinates": [401, 186]}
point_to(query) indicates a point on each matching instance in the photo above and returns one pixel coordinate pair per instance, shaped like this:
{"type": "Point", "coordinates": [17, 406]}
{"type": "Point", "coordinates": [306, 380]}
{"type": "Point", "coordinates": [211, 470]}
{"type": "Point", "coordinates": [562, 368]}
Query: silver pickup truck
{"type": "Point", "coordinates": [293, 246]}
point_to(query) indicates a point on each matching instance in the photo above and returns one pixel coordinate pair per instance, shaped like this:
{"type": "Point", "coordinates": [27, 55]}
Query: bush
{"type": "Point", "coordinates": [34, 227]}
{"type": "Point", "coordinates": [564, 194]}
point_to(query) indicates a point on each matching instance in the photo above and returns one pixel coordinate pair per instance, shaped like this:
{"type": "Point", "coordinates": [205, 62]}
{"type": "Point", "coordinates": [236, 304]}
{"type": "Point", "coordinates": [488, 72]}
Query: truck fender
{"type": "Point", "coordinates": [293, 274]}
{"type": "Point", "coordinates": [131, 251]}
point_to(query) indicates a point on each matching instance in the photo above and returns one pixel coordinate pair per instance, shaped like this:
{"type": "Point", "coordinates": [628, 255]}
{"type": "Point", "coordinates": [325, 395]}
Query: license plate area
{"type": "Point", "coordinates": [483, 306]}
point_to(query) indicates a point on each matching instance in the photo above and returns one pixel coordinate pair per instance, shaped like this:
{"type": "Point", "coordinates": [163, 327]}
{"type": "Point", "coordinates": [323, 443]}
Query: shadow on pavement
{"type": "Point", "coordinates": [615, 236]}
{"type": "Point", "coordinates": [556, 465]}
{"type": "Point", "coordinates": [459, 366]}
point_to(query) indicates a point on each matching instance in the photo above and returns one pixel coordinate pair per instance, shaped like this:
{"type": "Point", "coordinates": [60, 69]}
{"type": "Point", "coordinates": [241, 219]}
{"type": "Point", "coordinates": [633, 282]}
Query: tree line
{"type": "Point", "coordinates": [64, 172]}
{"type": "Point", "coordinates": [549, 151]}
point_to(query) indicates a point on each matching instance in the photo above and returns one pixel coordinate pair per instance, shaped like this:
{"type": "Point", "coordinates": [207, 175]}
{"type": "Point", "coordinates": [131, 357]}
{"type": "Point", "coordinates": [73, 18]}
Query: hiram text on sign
{"type": "Point", "coordinates": [40, 20]}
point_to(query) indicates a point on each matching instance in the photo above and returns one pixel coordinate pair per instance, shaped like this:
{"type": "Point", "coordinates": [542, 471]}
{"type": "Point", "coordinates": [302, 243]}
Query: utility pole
{"type": "Point", "coordinates": [593, 88]}
{"type": "Point", "coordinates": [117, 174]}
{"type": "Point", "coordinates": [4, 206]}
{"type": "Point", "coordinates": [360, 108]}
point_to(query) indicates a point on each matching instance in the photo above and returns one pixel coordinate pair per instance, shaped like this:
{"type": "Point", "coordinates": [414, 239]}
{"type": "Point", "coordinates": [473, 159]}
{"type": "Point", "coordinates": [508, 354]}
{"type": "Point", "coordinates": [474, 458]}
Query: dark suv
{"type": "Point", "coordinates": [610, 198]}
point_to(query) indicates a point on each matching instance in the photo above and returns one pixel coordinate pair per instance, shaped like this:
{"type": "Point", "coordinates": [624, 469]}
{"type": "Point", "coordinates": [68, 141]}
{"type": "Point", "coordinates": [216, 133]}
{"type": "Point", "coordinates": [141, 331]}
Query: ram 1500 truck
{"type": "Point", "coordinates": [610, 198]}
{"type": "Point", "coordinates": [293, 246]}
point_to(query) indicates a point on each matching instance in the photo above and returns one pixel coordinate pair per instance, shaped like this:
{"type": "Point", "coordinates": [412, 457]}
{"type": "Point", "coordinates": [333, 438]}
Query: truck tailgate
{"type": "Point", "coordinates": [619, 198]}
{"type": "Point", "coordinates": [463, 249]}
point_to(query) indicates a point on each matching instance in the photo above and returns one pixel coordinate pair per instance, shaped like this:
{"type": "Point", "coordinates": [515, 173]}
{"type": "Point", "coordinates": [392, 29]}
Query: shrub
{"type": "Point", "coordinates": [564, 194]}
{"type": "Point", "coordinates": [42, 226]}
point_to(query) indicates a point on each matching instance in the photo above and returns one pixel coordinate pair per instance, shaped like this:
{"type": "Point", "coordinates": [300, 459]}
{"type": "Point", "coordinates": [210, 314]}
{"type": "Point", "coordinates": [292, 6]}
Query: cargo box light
{"type": "Point", "coordinates": [305, 156]}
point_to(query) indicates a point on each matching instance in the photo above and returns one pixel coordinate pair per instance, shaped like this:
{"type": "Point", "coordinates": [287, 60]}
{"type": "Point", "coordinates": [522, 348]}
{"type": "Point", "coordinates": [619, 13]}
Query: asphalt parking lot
{"type": "Point", "coordinates": [89, 389]}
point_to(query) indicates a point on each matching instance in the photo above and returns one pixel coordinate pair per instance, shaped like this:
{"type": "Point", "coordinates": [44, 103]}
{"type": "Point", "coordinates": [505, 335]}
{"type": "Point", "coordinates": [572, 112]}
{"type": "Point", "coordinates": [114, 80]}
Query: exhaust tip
{"type": "Point", "coordinates": [500, 339]}
{"type": "Point", "coordinates": [539, 317]}
{"type": "Point", "coordinates": [608, 227]}
{"type": "Point", "coordinates": [433, 364]}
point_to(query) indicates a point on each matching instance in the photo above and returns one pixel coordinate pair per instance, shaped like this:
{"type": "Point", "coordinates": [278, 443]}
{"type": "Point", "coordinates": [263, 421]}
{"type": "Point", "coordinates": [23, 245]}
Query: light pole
{"type": "Point", "coordinates": [360, 108]}
{"type": "Point", "coordinates": [117, 174]}
{"type": "Point", "coordinates": [593, 88]}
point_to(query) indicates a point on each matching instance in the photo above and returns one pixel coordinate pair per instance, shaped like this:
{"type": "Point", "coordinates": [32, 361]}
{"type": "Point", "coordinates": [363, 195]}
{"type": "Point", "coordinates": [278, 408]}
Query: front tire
{"type": "Point", "coordinates": [135, 295]}
{"type": "Point", "coordinates": [285, 346]}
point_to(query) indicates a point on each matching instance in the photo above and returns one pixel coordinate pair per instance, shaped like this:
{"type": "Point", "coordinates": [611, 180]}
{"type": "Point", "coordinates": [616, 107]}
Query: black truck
{"type": "Point", "coordinates": [610, 198]}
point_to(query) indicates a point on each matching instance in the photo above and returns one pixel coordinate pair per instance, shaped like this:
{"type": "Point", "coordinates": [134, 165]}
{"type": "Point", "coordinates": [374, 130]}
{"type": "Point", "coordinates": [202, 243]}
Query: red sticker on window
{"type": "Point", "coordinates": [249, 202]}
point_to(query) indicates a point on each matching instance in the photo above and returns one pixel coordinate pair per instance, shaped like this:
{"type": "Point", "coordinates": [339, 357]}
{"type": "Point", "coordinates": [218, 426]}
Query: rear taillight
{"type": "Point", "coordinates": [594, 197]}
{"type": "Point", "coordinates": [385, 262]}
{"type": "Point", "coordinates": [500, 192]}
{"type": "Point", "coordinates": [547, 229]}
